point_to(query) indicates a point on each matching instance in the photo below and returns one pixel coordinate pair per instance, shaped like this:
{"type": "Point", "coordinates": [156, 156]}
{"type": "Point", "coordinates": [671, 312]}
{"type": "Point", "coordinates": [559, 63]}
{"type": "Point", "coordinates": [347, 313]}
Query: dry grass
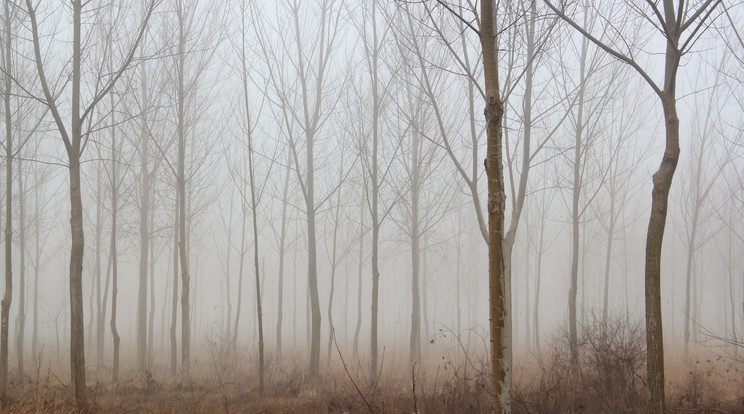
{"type": "Point", "coordinates": [455, 380]}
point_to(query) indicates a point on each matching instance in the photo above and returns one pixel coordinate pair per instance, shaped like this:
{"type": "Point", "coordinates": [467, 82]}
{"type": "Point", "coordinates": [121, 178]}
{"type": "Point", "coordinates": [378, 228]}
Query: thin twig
{"type": "Point", "coordinates": [369, 407]}
{"type": "Point", "coordinates": [379, 373]}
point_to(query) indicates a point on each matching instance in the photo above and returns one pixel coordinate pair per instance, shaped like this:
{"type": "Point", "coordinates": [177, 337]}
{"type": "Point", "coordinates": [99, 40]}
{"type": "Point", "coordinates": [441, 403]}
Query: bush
{"type": "Point", "coordinates": [611, 373]}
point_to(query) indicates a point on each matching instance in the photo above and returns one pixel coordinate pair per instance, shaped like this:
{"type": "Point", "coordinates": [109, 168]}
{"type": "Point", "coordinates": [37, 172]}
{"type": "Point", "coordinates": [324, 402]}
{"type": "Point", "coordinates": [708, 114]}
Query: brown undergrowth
{"type": "Point", "coordinates": [452, 379]}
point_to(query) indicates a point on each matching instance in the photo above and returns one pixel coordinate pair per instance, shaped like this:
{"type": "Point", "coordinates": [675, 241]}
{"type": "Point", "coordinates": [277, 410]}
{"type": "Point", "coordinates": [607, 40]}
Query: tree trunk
{"type": "Point", "coordinates": [144, 236]}
{"type": "Point", "coordinates": [575, 214]}
{"type": "Point", "coordinates": [8, 296]}
{"type": "Point", "coordinates": [608, 256]}
{"type": "Point", "coordinates": [688, 282]}
{"type": "Point", "coordinates": [282, 252]}
{"type": "Point", "coordinates": [375, 290]}
{"type": "Point", "coordinates": [414, 351]}
{"type": "Point", "coordinates": [151, 327]}
{"type": "Point", "coordinates": [240, 281]}
{"type": "Point", "coordinates": [496, 205]}
{"type": "Point", "coordinates": [22, 270]}
{"type": "Point", "coordinates": [114, 258]}
{"type": "Point", "coordinates": [77, 340]}
{"type": "Point", "coordinates": [100, 305]}
{"type": "Point", "coordinates": [662, 181]}
{"type": "Point", "coordinates": [536, 312]}
{"type": "Point", "coordinates": [181, 183]}
{"type": "Point", "coordinates": [37, 265]}
{"type": "Point", "coordinates": [174, 298]}
{"type": "Point", "coordinates": [359, 281]}
{"type": "Point", "coordinates": [254, 213]}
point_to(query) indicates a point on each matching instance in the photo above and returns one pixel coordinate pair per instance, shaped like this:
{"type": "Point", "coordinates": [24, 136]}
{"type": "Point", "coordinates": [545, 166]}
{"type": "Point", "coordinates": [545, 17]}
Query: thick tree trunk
{"type": "Point", "coordinates": [662, 181]}
{"type": "Point", "coordinates": [77, 333]}
{"type": "Point", "coordinates": [77, 340]}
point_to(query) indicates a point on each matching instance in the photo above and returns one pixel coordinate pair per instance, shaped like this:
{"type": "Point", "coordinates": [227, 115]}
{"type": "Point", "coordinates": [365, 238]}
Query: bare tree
{"type": "Point", "coordinates": [672, 22]}
{"type": "Point", "coordinates": [310, 87]}
{"type": "Point", "coordinates": [72, 137]}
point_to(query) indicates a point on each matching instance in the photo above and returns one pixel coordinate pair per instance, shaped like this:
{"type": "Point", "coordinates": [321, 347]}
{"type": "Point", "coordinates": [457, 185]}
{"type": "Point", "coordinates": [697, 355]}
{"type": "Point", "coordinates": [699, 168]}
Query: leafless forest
{"type": "Point", "coordinates": [380, 206]}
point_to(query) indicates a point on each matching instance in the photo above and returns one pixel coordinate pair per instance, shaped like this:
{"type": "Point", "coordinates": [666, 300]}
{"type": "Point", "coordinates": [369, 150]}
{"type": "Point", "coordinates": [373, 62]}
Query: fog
{"type": "Point", "coordinates": [352, 134]}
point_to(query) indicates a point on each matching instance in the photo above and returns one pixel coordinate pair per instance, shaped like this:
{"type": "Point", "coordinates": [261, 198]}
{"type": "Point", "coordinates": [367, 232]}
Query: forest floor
{"type": "Point", "coordinates": [453, 378]}
{"type": "Point", "coordinates": [709, 386]}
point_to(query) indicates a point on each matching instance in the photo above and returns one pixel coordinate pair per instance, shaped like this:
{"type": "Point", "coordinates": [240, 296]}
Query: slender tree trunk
{"type": "Point", "coordinates": [334, 262]}
{"type": "Point", "coordinates": [575, 214]}
{"type": "Point", "coordinates": [375, 190]}
{"type": "Point", "coordinates": [360, 271]}
{"type": "Point", "coordinates": [375, 289]}
{"type": "Point", "coordinates": [100, 306]}
{"type": "Point", "coordinates": [227, 306]}
{"type": "Point", "coordinates": [37, 264]}
{"type": "Point", "coordinates": [174, 297]}
{"type": "Point", "coordinates": [240, 280]}
{"type": "Point", "coordinates": [536, 312]}
{"type": "Point", "coordinates": [282, 252]}
{"type": "Point", "coordinates": [181, 183]}
{"type": "Point", "coordinates": [414, 351]}
{"type": "Point", "coordinates": [144, 236]}
{"type": "Point", "coordinates": [151, 324]}
{"type": "Point", "coordinates": [8, 296]}
{"type": "Point", "coordinates": [527, 319]}
{"type": "Point", "coordinates": [22, 269]}
{"type": "Point", "coordinates": [425, 291]}
{"type": "Point", "coordinates": [114, 257]}
{"type": "Point", "coordinates": [254, 214]}
{"type": "Point", "coordinates": [608, 257]}
{"type": "Point", "coordinates": [732, 284]}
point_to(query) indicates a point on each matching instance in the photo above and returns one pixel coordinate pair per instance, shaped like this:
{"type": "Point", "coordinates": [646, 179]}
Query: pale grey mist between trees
{"type": "Point", "coordinates": [457, 196]}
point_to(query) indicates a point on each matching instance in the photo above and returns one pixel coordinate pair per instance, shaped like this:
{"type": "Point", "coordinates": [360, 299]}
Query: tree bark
{"type": "Point", "coordinates": [494, 111]}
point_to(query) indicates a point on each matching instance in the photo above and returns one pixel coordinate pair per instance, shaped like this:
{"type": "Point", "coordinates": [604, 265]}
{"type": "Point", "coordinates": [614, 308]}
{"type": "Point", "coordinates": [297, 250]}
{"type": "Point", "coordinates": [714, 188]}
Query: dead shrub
{"type": "Point", "coordinates": [611, 379]}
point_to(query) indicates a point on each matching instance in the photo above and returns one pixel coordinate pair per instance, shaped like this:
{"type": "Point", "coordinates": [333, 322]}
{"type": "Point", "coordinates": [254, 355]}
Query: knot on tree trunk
{"type": "Point", "coordinates": [494, 202]}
